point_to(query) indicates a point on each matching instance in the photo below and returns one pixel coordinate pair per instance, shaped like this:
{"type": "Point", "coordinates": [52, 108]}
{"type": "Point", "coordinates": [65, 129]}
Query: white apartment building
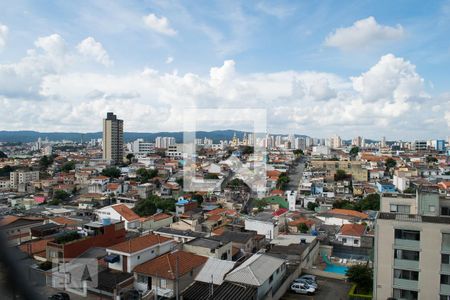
{"type": "Point", "coordinates": [175, 151]}
{"type": "Point", "coordinates": [17, 178]}
{"type": "Point", "coordinates": [412, 247]}
{"type": "Point", "coordinates": [163, 142]}
{"type": "Point", "coordinates": [141, 147]}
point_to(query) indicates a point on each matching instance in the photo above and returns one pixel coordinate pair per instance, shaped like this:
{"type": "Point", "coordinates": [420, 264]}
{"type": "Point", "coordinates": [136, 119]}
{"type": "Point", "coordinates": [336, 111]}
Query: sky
{"type": "Point", "coordinates": [368, 68]}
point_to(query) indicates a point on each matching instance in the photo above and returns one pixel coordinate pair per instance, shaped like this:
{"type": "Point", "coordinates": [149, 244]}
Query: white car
{"type": "Point", "coordinates": [302, 288]}
{"type": "Point", "coordinates": [308, 282]}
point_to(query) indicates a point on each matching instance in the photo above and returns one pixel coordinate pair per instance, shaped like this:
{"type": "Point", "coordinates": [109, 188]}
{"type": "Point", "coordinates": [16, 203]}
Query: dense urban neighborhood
{"type": "Point", "coordinates": [358, 219]}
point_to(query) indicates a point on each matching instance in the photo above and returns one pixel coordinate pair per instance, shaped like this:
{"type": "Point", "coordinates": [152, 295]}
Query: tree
{"type": "Point", "coordinates": [370, 202]}
{"type": "Point", "coordinates": [282, 181]}
{"type": "Point", "coordinates": [130, 157]}
{"type": "Point", "coordinates": [145, 175]}
{"type": "Point", "coordinates": [6, 170]}
{"type": "Point", "coordinates": [340, 175]}
{"type": "Point", "coordinates": [149, 206]}
{"type": "Point", "coordinates": [246, 150]}
{"type": "Point", "coordinates": [303, 228]}
{"type": "Point", "coordinates": [298, 152]}
{"type": "Point", "coordinates": [354, 151]}
{"type": "Point", "coordinates": [55, 202]}
{"type": "Point", "coordinates": [261, 204]}
{"type": "Point", "coordinates": [362, 276]}
{"type": "Point", "coordinates": [111, 172]}
{"type": "Point", "coordinates": [390, 163]}
{"type": "Point", "coordinates": [312, 206]}
{"type": "Point", "coordinates": [3, 155]}
{"type": "Point", "coordinates": [45, 162]}
{"type": "Point", "coordinates": [68, 166]}
{"type": "Point", "coordinates": [60, 195]}
{"type": "Point", "coordinates": [431, 159]}
{"type": "Point", "coordinates": [410, 190]}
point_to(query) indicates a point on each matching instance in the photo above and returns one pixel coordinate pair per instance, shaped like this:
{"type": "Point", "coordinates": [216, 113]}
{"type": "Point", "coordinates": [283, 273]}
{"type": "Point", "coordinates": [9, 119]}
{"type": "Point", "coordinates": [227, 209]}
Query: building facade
{"type": "Point", "coordinates": [113, 139]}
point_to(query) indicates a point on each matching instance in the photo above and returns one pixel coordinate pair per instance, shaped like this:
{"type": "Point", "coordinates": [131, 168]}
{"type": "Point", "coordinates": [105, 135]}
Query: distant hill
{"type": "Point", "coordinates": [32, 136]}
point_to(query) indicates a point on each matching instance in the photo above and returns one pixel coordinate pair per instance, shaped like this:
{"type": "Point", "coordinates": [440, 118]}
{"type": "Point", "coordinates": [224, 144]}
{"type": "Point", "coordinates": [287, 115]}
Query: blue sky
{"type": "Point", "coordinates": [99, 55]}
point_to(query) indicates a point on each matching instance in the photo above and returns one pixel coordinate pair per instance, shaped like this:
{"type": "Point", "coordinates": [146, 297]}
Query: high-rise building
{"type": "Point", "coordinates": [357, 141]}
{"type": "Point", "coordinates": [335, 142]}
{"type": "Point", "coordinates": [113, 139]}
{"type": "Point", "coordinates": [163, 142]}
{"type": "Point", "coordinates": [383, 142]}
{"type": "Point", "coordinates": [412, 247]}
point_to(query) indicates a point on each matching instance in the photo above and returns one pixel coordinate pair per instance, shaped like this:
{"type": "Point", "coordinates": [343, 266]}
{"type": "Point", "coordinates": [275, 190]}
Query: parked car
{"type": "Point", "coordinates": [59, 296]}
{"type": "Point", "coordinates": [302, 288]}
{"type": "Point", "coordinates": [308, 276]}
{"type": "Point", "coordinates": [307, 281]}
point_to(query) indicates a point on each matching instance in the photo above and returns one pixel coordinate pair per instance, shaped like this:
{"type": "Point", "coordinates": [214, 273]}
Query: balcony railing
{"type": "Point", "coordinates": [406, 284]}
{"type": "Point", "coordinates": [406, 264]}
{"type": "Point", "coordinates": [409, 244]}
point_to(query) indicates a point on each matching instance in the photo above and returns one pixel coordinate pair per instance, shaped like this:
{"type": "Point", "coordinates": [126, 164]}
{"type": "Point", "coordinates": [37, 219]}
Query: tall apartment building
{"type": "Point", "coordinates": [163, 142]}
{"type": "Point", "coordinates": [17, 178]}
{"type": "Point", "coordinates": [412, 247]}
{"type": "Point", "coordinates": [419, 145]}
{"type": "Point", "coordinates": [113, 139]}
{"type": "Point", "coordinates": [141, 147]}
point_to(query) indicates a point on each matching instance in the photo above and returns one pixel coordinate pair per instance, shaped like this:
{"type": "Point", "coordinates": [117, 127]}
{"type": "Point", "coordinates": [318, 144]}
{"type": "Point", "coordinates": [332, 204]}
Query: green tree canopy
{"type": "Point", "coordinates": [3, 155]}
{"type": "Point", "coordinates": [303, 228]}
{"type": "Point", "coordinates": [340, 175]}
{"type": "Point", "coordinates": [283, 181]}
{"type": "Point", "coordinates": [68, 166]}
{"type": "Point", "coordinates": [298, 152]}
{"type": "Point", "coordinates": [111, 172]}
{"type": "Point", "coordinates": [354, 151]}
{"type": "Point", "coordinates": [145, 175]}
{"type": "Point", "coordinates": [390, 163]}
{"type": "Point", "coordinates": [149, 206]}
{"type": "Point", "coordinates": [362, 275]}
{"type": "Point", "coordinates": [370, 202]}
{"type": "Point", "coordinates": [312, 206]}
{"type": "Point", "coordinates": [60, 195]}
{"type": "Point", "coordinates": [45, 162]}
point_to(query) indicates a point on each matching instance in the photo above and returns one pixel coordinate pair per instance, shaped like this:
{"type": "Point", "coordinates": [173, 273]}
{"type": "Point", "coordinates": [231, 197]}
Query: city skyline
{"type": "Point", "coordinates": [369, 70]}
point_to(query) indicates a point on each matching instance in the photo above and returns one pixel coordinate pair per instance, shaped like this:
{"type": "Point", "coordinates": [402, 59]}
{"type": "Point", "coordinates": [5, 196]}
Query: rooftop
{"type": "Point", "coordinates": [139, 243]}
{"type": "Point", "coordinates": [205, 243]}
{"type": "Point", "coordinates": [413, 218]}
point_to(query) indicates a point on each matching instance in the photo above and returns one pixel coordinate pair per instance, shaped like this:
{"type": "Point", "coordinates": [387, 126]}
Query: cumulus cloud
{"type": "Point", "coordinates": [385, 99]}
{"type": "Point", "coordinates": [159, 24]}
{"type": "Point", "coordinates": [3, 35]}
{"type": "Point", "coordinates": [89, 47]}
{"type": "Point", "coordinates": [363, 33]}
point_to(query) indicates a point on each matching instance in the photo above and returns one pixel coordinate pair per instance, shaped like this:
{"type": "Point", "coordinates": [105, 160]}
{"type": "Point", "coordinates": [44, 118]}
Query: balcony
{"type": "Point", "coordinates": [407, 244]}
{"type": "Point", "coordinates": [406, 264]}
{"type": "Point", "coordinates": [445, 269]}
{"type": "Point", "coordinates": [445, 289]}
{"type": "Point", "coordinates": [406, 284]}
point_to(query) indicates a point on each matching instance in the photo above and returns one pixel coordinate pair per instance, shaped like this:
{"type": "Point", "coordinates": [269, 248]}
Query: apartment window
{"type": "Point", "coordinates": [446, 240]}
{"type": "Point", "coordinates": [356, 242]}
{"type": "Point", "coordinates": [406, 254]}
{"type": "Point", "coordinates": [405, 294]}
{"type": "Point", "coordinates": [444, 297]}
{"type": "Point", "coordinates": [432, 208]}
{"type": "Point", "coordinates": [401, 209]}
{"type": "Point", "coordinates": [445, 258]}
{"type": "Point", "coordinates": [406, 274]}
{"type": "Point", "coordinates": [163, 283]}
{"type": "Point", "coordinates": [445, 211]}
{"type": "Point", "coordinates": [445, 279]}
{"type": "Point", "coordinates": [404, 234]}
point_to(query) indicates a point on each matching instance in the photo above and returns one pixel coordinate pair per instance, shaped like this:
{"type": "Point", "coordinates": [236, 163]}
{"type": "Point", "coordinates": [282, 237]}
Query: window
{"type": "Point", "coordinates": [163, 283]}
{"type": "Point", "coordinates": [344, 240]}
{"type": "Point", "coordinates": [406, 254]}
{"type": "Point", "coordinates": [445, 279]}
{"type": "Point", "coordinates": [446, 241]}
{"type": "Point", "coordinates": [271, 278]}
{"type": "Point", "coordinates": [445, 211]}
{"type": "Point", "coordinates": [402, 209]}
{"type": "Point", "coordinates": [403, 234]}
{"type": "Point", "coordinates": [432, 208]}
{"type": "Point", "coordinates": [356, 242]}
{"type": "Point", "coordinates": [139, 257]}
{"type": "Point", "coordinates": [444, 297]}
{"type": "Point", "coordinates": [141, 279]}
{"type": "Point", "coordinates": [445, 259]}
{"type": "Point", "coordinates": [406, 274]}
{"type": "Point", "coordinates": [405, 294]}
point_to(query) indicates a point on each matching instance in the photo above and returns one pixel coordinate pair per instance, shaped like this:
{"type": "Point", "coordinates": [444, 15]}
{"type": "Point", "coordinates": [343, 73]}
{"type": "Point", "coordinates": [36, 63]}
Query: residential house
{"type": "Point", "coordinates": [168, 273]}
{"type": "Point", "coordinates": [120, 212]}
{"type": "Point", "coordinates": [156, 221]}
{"type": "Point", "coordinates": [127, 255]}
{"type": "Point", "coordinates": [262, 271]}
{"type": "Point", "coordinates": [351, 234]}
{"type": "Point", "coordinates": [209, 247]}
{"type": "Point", "coordinates": [18, 229]}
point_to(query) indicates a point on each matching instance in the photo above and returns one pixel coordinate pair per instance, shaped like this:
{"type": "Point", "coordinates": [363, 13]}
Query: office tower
{"type": "Point", "coordinates": [113, 139]}
{"type": "Point", "coordinates": [412, 247]}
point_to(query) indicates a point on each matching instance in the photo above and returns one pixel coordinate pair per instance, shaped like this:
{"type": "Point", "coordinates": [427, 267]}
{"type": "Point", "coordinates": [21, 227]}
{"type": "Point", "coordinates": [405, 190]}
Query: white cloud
{"type": "Point", "coordinates": [169, 60]}
{"type": "Point", "coordinates": [278, 11]}
{"type": "Point", "coordinates": [3, 35]}
{"type": "Point", "coordinates": [53, 44]}
{"type": "Point", "coordinates": [159, 24]}
{"type": "Point", "coordinates": [89, 47]}
{"type": "Point", "coordinates": [363, 33]}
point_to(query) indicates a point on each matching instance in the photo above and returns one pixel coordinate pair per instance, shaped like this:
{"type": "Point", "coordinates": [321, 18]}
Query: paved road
{"type": "Point", "coordinates": [328, 289]}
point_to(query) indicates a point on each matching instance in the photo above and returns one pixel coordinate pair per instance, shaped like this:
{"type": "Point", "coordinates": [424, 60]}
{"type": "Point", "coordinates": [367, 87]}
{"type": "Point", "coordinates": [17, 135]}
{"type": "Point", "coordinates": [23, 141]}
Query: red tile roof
{"type": "Point", "coordinates": [125, 212]}
{"type": "Point", "coordinates": [279, 212]}
{"type": "Point", "coordinates": [353, 229]}
{"type": "Point", "coordinates": [301, 220]}
{"type": "Point", "coordinates": [165, 266]}
{"type": "Point", "coordinates": [348, 212]}
{"type": "Point", "coordinates": [64, 221]}
{"type": "Point", "coordinates": [139, 243]}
